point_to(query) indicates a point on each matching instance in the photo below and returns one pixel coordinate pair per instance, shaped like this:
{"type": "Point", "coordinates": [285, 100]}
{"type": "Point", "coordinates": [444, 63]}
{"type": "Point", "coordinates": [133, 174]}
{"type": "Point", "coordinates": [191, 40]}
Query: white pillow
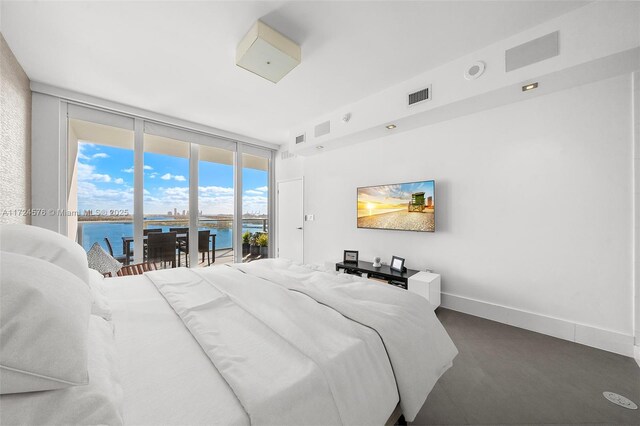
{"type": "Point", "coordinates": [44, 315]}
{"type": "Point", "coordinates": [97, 403]}
{"type": "Point", "coordinates": [46, 245]}
{"type": "Point", "coordinates": [102, 261]}
{"type": "Point", "coordinates": [99, 302]}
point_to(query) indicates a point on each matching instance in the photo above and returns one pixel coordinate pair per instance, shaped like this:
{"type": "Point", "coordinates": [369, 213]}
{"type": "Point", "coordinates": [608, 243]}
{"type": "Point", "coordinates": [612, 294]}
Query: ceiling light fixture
{"type": "Point", "coordinates": [530, 86]}
{"type": "Point", "coordinates": [390, 126]}
{"type": "Point", "coordinates": [319, 147]}
{"type": "Point", "coordinates": [267, 53]}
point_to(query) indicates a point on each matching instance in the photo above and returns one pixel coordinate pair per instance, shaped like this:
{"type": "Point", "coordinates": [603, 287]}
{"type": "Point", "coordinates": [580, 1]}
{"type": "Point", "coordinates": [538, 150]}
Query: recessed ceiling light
{"type": "Point", "coordinates": [528, 87]}
{"type": "Point", "coordinates": [390, 126]}
{"type": "Point", "coordinates": [319, 147]}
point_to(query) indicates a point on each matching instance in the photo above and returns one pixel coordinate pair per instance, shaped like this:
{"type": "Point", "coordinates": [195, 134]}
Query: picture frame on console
{"type": "Point", "coordinates": [350, 256]}
{"type": "Point", "coordinates": [397, 264]}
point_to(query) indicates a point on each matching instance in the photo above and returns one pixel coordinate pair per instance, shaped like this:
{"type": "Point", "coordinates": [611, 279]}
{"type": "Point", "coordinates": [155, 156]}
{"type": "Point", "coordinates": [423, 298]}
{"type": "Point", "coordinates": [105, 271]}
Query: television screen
{"type": "Point", "coordinates": [402, 206]}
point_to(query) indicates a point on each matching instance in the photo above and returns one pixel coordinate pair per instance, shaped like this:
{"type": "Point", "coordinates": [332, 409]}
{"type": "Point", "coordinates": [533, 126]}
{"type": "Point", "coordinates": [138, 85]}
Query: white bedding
{"type": "Point", "coordinates": [166, 377]}
{"type": "Point", "coordinates": [288, 359]}
{"type": "Point", "coordinates": [416, 343]}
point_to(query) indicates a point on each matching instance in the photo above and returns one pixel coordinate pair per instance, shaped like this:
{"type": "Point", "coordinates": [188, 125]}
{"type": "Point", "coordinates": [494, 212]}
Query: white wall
{"type": "Point", "coordinates": [533, 204]}
{"type": "Point", "coordinates": [48, 170]}
{"type": "Point", "coordinates": [597, 41]}
{"type": "Point", "coordinates": [289, 168]}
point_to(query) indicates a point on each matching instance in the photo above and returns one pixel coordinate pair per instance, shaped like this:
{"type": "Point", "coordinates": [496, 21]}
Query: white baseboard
{"type": "Point", "coordinates": [579, 333]}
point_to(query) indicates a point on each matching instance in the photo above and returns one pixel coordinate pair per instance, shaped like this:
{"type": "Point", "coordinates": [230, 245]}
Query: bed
{"type": "Point", "coordinates": [269, 342]}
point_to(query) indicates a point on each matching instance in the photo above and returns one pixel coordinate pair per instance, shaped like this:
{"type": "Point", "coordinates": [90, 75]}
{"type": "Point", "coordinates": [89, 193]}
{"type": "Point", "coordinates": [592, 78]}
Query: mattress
{"type": "Point", "coordinates": [166, 377]}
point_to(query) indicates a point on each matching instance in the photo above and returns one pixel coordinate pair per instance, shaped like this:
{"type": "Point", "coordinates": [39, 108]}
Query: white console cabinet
{"type": "Point", "coordinates": [427, 285]}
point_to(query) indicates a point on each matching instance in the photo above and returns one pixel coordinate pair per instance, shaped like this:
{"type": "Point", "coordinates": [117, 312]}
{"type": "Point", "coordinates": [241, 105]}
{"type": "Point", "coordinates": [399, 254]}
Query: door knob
{"type": "Point", "coordinates": [299, 228]}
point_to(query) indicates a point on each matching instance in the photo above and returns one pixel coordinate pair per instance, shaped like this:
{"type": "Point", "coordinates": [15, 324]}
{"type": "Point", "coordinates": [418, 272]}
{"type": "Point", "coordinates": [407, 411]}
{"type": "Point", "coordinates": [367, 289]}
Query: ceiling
{"type": "Point", "coordinates": [178, 58]}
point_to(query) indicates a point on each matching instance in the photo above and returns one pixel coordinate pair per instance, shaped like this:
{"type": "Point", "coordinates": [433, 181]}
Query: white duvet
{"type": "Point", "coordinates": [299, 346]}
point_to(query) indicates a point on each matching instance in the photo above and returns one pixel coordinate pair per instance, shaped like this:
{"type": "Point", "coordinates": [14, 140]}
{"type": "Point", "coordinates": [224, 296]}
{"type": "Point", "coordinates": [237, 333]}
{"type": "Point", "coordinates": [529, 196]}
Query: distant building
{"type": "Point", "coordinates": [175, 211]}
{"type": "Point", "coordinates": [169, 213]}
{"type": "Point", "coordinates": [430, 202]}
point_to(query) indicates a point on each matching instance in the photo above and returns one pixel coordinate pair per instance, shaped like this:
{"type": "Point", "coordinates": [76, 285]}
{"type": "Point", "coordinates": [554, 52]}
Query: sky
{"type": "Point", "coordinates": [395, 194]}
{"type": "Point", "coordinates": [105, 182]}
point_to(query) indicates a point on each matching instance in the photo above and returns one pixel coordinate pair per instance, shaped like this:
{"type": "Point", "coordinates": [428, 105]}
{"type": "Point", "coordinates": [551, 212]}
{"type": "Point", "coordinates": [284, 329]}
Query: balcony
{"type": "Point", "coordinates": [92, 231]}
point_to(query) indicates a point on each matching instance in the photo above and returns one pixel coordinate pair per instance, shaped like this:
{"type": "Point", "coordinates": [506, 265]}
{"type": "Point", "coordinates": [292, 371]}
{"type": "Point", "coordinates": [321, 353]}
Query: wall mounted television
{"type": "Point", "coordinates": [402, 206]}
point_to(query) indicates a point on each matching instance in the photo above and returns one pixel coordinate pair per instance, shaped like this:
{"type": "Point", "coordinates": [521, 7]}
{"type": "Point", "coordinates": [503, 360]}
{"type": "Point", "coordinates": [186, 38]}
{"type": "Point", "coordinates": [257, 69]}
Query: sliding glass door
{"type": "Point", "coordinates": [100, 185]}
{"type": "Point", "coordinates": [215, 204]}
{"type": "Point", "coordinates": [128, 177]}
{"type": "Point", "coordinates": [166, 192]}
{"type": "Point", "coordinates": [255, 205]}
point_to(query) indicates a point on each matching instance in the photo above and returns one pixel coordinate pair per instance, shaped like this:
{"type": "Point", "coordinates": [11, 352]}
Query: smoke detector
{"type": "Point", "coordinates": [267, 53]}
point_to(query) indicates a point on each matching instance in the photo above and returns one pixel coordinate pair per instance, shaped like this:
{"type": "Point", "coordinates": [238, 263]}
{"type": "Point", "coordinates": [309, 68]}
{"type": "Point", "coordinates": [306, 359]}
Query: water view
{"type": "Point", "coordinates": [97, 231]}
{"type": "Point", "coordinates": [105, 191]}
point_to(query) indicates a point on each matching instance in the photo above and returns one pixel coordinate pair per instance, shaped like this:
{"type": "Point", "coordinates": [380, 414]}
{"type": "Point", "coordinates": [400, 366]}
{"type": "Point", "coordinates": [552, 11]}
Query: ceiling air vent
{"type": "Point", "coordinates": [420, 96]}
{"type": "Point", "coordinates": [322, 129]}
{"type": "Point", "coordinates": [533, 51]}
{"type": "Point", "coordinates": [300, 138]}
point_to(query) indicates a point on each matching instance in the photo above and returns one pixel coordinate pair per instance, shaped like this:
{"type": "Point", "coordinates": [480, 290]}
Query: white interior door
{"type": "Point", "coordinates": [290, 220]}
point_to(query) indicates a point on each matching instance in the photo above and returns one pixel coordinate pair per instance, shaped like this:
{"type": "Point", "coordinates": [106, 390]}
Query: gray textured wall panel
{"type": "Point", "coordinates": [15, 145]}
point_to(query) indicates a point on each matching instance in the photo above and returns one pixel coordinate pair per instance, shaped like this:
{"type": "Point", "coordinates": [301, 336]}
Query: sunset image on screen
{"type": "Point", "coordinates": [405, 206]}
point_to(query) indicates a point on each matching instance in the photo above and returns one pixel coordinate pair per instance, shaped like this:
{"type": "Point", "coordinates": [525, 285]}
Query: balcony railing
{"type": "Point", "coordinates": [93, 231]}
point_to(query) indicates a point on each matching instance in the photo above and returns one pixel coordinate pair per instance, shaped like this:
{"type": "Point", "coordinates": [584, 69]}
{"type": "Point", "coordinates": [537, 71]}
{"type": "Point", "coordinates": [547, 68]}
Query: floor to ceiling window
{"type": "Point", "coordinates": [255, 206]}
{"type": "Point", "coordinates": [166, 195]}
{"type": "Point", "coordinates": [129, 178]}
{"type": "Point", "coordinates": [215, 204]}
{"type": "Point", "coordinates": [100, 185]}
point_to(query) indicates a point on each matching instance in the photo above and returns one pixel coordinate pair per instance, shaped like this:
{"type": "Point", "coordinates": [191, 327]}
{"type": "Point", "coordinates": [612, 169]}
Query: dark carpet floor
{"type": "Point", "coordinates": [506, 376]}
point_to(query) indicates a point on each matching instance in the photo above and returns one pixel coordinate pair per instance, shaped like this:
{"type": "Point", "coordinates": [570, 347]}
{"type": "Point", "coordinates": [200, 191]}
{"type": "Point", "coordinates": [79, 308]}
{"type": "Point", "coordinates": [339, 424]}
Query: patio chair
{"type": "Point", "coordinates": [137, 269]}
{"type": "Point", "coordinates": [203, 247]}
{"type": "Point", "coordinates": [161, 247]}
{"type": "Point", "coordinates": [121, 258]}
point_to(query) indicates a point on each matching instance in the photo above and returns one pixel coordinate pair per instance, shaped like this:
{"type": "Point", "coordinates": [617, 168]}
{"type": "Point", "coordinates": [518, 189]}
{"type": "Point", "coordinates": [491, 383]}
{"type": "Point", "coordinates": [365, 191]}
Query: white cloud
{"type": "Point", "coordinates": [252, 192]}
{"type": "Point", "coordinates": [86, 173]}
{"type": "Point", "coordinates": [169, 176]}
{"type": "Point", "coordinates": [81, 154]}
{"type": "Point", "coordinates": [214, 190]}
{"type": "Point", "coordinates": [263, 189]}
{"type": "Point", "coordinates": [100, 155]}
{"type": "Point", "coordinates": [256, 204]}
{"type": "Point", "coordinates": [100, 177]}
{"type": "Point", "coordinates": [119, 181]}
{"type": "Point", "coordinates": [130, 169]}
{"type": "Point", "coordinates": [90, 197]}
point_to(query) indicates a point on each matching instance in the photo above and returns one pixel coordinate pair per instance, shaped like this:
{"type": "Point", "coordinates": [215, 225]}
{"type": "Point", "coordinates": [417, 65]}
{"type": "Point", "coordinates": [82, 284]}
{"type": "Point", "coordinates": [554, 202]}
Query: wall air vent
{"type": "Point", "coordinates": [322, 129]}
{"type": "Point", "coordinates": [420, 96]}
{"type": "Point", "coordinates": [300, 138]}
{"type": "Point", "coordinates": [285, 155]}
